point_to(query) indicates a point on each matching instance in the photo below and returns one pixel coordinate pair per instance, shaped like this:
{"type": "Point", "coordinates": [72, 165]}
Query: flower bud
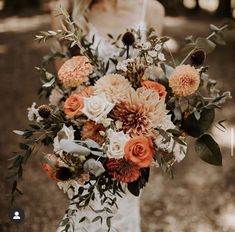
{"type": "Point", "coordinates": [198, 57]}
{"type": "Point", "coordinates": [44, 111]}
{"type": "Point", "coordinates": [128, 39]}
{"type": "Point", "coordinates": [63, 173]}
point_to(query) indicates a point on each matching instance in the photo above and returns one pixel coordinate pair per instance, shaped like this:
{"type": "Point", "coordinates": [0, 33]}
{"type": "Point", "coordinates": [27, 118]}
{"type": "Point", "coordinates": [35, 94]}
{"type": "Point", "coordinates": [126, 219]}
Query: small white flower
{"type": "Point", "coordinates": [146, 46]}
{"type": "Point", "coordinates": [97, 107]}
{"type": "Point", "coordinates": [122, 65]}
{"type": "Point", "coordinates": [118, 124]}
{"type": "Point", "coordinates": [33, 113]}
{"type": "Point", "coordinates": [95, 167]}
{"type": "Point", "coordinates": [152, 53]}
{"type": "Point", "coordinates": [158, 47]}
{"type": "Point", "coordinates": [106, 122]}
{"type": "Point", "coordinates": [149, 59]}
{"type": "Point", "coordinates": [117, 141]}
{"type": "Point", "coordinates": [161, 57]}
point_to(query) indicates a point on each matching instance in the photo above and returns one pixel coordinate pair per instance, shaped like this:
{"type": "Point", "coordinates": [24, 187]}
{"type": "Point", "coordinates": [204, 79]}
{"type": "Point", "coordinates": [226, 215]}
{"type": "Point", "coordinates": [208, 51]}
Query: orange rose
{"type": "Point", "coordinates": [155, 86]}
{"type": "Point", "coordinates": [140, 151]}
{"type": "Point", "coordinates": [73, 105]}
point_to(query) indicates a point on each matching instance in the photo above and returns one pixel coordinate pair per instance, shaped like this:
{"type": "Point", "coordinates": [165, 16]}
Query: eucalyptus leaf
{"type": "Point", "coordinates": [196, 128]}
{"type": "Point", "coordinates": [208, 150]}
{"type": "Point", "coordinates": [205, 44]}
{"type": "Point", "coordinates": [168, 70]}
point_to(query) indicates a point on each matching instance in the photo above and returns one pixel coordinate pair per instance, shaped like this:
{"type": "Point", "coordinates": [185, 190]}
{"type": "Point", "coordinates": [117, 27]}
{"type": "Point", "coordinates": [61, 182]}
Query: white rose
{"type": "Point", "coordinates": [97, 107]}
{"type": "Point", "coordinates": [117, 141]}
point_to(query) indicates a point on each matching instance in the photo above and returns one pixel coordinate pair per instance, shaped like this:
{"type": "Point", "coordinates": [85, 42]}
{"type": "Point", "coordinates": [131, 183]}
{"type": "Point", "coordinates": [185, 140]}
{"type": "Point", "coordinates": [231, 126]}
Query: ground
{"type": "Point", "coordinates": [199, 199]}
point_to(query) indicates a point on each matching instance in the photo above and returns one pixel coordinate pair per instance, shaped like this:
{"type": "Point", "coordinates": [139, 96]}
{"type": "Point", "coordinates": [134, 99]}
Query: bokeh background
{"type": "Point", "coordinates": [201, 198]}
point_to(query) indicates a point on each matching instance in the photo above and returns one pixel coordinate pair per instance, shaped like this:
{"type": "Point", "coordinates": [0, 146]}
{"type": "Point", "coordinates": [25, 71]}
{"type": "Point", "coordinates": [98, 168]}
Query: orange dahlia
{"type": "Point", "coordinates": [184, 81]}
{"type": "Point", "coordinates": [140, 112]}
{"type": "Point", "coordinates": [123, 170]}
{"type": "Point", "coordinates": [91, 130]}
{"type": "Point", "coordinates": [75, 71]}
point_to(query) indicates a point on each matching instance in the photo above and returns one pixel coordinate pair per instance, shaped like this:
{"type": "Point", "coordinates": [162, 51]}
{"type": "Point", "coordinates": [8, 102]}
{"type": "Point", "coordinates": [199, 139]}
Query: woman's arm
{"type": "Point", "coordinates": [155, 16]}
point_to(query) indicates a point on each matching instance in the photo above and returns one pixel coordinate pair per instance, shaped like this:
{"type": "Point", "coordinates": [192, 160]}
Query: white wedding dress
{"type": "Point", "coordinates": [127, 217]}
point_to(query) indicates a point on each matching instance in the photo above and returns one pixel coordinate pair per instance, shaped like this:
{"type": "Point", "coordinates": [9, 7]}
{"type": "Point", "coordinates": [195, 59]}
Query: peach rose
{"type": "Point", "coordinates": [155, 86]}
{"type": "Point", "coordinates": [140, 151]}
{"type": "Point", "coordinates": [73, 105]}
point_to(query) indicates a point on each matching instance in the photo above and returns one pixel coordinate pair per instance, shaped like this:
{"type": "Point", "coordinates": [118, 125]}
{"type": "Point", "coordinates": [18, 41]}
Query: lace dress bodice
{"type": "Point", "coordinates": [105, 47]}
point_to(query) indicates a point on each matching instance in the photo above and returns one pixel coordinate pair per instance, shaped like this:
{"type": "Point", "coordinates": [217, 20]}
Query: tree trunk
{"type": "Point", "coordinates": [224, 9]}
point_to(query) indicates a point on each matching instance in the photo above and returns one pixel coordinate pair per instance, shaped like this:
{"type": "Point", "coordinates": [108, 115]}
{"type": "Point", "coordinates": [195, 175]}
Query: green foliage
{"type": "Point", "coordinates": [196, 127]}
{"type": "Point", "coordinates": [208, 150]}
{"type": "Point", "coordinates": [136, 186]}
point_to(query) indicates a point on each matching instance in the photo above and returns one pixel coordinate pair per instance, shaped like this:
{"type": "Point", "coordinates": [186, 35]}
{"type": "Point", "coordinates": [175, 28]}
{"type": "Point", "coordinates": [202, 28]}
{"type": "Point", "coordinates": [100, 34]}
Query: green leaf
{"type": "Point", "coordinates": [97, 219]}
{"type": "Point", "coordinates": [134, 188]}
{"type": "Point", "coordinates": [205, 44]}
{"type": "Point", "coordinates": [219, 39]}
{"type": "Point", "coordinates": [168, 70]}
{"type": "Point", "coordinates": [196, 128]}
{"type": "Point", "coordinates": [24, 146]}
{"type": "Point", "coordinates": [82, 219]}
{"type": "Point", "coordinates": [214, 28]}
{"type": "Point", "coordinates": [108, 221]}
{"type": "Point", "coordinates": [208, 150]}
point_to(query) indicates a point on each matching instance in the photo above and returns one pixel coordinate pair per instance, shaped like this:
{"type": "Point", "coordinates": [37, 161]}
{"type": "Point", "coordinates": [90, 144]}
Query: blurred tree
{"type": "Point", "coordinates": [225, 8]}
{"type": "Point", "coordinates": [20, 4]}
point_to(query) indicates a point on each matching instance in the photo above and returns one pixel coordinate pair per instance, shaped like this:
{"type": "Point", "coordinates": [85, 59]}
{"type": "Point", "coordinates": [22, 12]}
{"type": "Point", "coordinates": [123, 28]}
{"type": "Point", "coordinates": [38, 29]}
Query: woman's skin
{"type": "Point", "coordinates": [115, 16]}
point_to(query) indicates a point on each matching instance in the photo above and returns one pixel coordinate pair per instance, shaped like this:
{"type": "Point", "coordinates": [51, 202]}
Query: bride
{"type": "Point", "coordinates": [100, 18]}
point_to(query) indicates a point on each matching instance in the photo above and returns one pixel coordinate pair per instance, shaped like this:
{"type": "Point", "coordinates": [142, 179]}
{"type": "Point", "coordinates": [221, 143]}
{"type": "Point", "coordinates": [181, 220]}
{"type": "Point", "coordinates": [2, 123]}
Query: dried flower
{"type": "Point", "coordinates": [123, 170]}
{"type": "Point", "coordinates": [75, 71]}
{"type": "Point", "coordinates": [198, 57]}
{"type": "Point", "coordinates": [63, 173]}
{"type": "Point", "coordinates": [91, 130]}
{"type": "Point", "coordinates": [44, 111]}
{"type": "Point", "coordinates": [128, 39]}
{"type": "Point", "coordinates": [184, 81]}
{"type": "Point", "coordinates": [114, 86]}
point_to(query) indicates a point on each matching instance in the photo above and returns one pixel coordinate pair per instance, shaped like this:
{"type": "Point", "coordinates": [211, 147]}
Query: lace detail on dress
{"type": "Point", "coordinates": [105, 48]}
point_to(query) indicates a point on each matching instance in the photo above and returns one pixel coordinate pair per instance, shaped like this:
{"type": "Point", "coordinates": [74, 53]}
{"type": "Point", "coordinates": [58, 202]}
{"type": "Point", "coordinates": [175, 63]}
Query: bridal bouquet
{"type": "Point", "coordinates": [108, 121]}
